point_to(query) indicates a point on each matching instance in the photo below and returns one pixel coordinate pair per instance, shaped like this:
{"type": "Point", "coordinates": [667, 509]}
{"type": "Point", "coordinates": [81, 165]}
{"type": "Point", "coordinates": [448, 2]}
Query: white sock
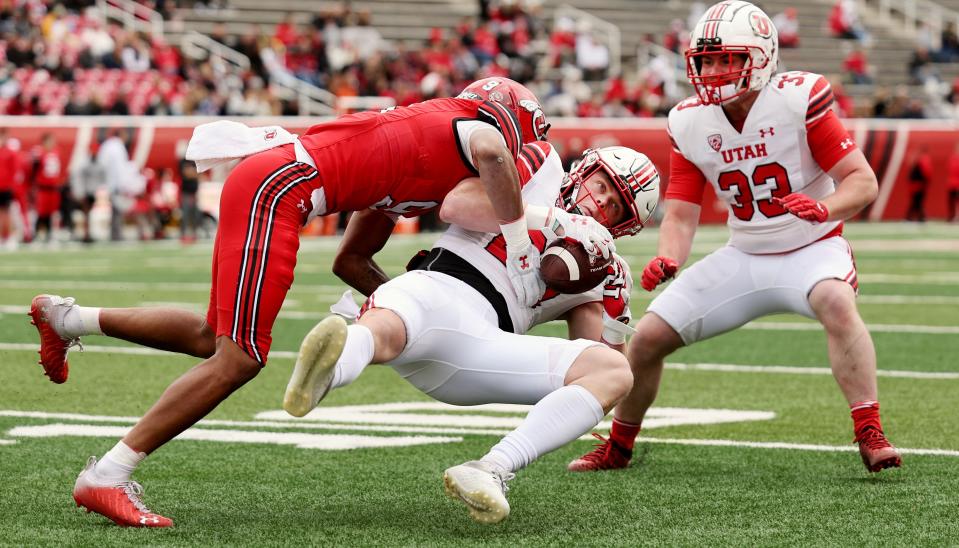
{"type": "Point", "coordinates": [80, 321]}
{"type": "Point", "coordinates": [118, 464]}
{"type": "Point", "coordinates": [357, 354]}
{"type": "Point", "coordinates": [559, 418]}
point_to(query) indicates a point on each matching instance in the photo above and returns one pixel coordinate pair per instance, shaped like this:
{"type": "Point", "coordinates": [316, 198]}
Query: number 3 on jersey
{"type": "Point", "coordinates": [771, 175]}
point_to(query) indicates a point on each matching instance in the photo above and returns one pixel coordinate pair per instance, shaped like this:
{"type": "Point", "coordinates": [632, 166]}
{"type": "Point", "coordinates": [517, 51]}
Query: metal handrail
{"type": "Point", "coordinates": [134, 16]}
{"type": "Point", "coordinates": [200, 46]}
{"type": "Point", "coordinates": [605, 31]}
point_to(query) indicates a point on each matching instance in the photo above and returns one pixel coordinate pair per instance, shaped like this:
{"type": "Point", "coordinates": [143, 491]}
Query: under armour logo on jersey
{"type": "Point", "coordinates": [524, 262]}
{"type": "Point", "coordinates": [269, 135]}
{"type": "Point", "coordinates": [771, 131]}
{"type": "Point", "coordinates": [846, 143]}
{"type": "Point", "coordinates": [302, 206]}
{"type": "Point", "coordinates": [149, 519]}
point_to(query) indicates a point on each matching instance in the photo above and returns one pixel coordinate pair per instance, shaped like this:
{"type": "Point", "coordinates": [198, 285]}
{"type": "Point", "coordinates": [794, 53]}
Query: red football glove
{"type": "Point", "coordinates": [804, 207]}
{"type": "Point", "coordinates": [658, 271]}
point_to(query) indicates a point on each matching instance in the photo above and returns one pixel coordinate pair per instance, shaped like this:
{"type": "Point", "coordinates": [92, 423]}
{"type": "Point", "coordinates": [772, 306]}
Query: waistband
{"type": "Point", "coordinates": [449, 263]}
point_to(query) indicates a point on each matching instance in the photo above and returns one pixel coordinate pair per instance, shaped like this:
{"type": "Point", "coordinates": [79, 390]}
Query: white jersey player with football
{"type": "Point", "coordinates": [774, 151]}
{"type": "Point", "coordinates": [454, 328]}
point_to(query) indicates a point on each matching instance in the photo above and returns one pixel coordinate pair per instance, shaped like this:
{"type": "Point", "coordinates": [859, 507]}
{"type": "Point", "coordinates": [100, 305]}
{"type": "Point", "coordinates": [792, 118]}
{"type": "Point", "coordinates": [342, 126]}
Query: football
{"type": "Point", "coordinates": [567, 267]}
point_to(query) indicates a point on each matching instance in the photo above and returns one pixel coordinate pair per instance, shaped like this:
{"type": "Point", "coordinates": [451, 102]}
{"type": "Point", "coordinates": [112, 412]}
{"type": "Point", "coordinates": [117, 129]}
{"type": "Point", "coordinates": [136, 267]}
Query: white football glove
{"type": "Point", "coordinates": [522, 267]}
{"type": "Point", "coordinates": [616, 290]}
{"type": "Point", "coordinates": [584, 229]}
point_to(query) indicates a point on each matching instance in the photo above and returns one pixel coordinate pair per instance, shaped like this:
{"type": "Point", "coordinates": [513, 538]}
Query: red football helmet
{"type": "Point", "coordinates": [518, 98]}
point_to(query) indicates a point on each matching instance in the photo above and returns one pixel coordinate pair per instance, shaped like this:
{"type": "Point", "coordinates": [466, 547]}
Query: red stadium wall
{"type": "Point", "coordinates": [890, 146]}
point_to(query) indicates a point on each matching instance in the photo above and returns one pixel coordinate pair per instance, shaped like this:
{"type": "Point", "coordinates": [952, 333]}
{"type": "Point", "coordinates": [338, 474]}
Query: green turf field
{"type": "Point", "coordinates": [780, 471]}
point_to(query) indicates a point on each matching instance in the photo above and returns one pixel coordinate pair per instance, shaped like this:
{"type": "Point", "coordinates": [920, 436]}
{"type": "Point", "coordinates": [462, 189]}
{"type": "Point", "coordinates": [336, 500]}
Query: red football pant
{"type": "Point", "coordinates": [264, 202]}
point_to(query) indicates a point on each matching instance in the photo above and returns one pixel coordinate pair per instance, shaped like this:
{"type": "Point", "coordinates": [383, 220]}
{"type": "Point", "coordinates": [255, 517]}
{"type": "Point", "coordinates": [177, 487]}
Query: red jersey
{"type": "Point", "coordinates": [403, 161]}
{"type": "Point", "coordinates": [8, 169]}
{"type": "Point", "coordinates": [49, 171]}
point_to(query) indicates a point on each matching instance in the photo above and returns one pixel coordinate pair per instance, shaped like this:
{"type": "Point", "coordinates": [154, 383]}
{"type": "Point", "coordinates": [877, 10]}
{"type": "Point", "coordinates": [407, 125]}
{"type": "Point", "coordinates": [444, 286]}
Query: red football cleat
{"type": "Point", "coordinates": [876, 451]}
{"type": "Point", "coordinates": [608, 455]}
{"type": "Point", "coordinates": [44, 311]}
{"type": "Point", "coordinates": [120, 503]}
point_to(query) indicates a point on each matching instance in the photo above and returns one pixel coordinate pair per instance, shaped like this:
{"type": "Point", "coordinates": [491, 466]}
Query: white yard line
{"type": "Point", "coordinates": [909, 299]}
{"type": "Point", "coordinates": [794, 370]}
{"type": "Point", "coordinates": [792, 446]}
{"type": "Point", "coordinates": [133, 350]}
{"type": "Point", "coordinates": [728, 367]}
{"type": "Point", "coordinates": [873, 327]}
{"type": "Point", "coordinates": [308, 440]}
{"type": "Point", "coordinates": [286, 314]}
{"type": "Point", "coordinates": [122, 285]}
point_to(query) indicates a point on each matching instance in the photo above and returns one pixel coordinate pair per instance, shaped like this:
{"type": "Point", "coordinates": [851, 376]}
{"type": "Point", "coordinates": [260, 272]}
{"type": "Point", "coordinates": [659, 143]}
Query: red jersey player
{"type": "Point", "coordinates": [773, 150]}
{"type": "Point", "coordinates": [402, 162]}
{"type": "Point", "coordinates": [48, 179]}
{"type": "Point", "coordinates": [8, 171]}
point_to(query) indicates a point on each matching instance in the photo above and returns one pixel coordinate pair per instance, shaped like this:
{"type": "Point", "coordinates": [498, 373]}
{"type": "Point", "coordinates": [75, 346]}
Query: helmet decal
{"type": "Point", "coordinates": [516, 97]}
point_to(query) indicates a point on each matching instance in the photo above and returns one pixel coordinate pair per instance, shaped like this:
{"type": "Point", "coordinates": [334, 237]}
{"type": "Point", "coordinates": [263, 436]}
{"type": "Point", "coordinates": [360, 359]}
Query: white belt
{"type": "Point", "coordinates": [301, 154]}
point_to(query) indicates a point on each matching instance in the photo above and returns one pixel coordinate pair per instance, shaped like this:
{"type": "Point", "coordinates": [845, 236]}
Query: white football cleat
{"type": "Point", "coordinates": [481, 488]}
{"type": "Point", "coordinates": [315, 365]}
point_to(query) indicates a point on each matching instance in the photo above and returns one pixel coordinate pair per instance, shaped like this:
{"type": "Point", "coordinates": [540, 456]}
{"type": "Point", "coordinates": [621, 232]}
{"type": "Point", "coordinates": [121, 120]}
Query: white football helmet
{"type": "Point", "coordinates": [634, 176]}
{"type": "Point", "coordinates": [735, 28]}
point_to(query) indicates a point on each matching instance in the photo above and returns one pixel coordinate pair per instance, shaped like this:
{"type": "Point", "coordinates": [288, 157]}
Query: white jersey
{"type": "Point", "coordinates": [769, 158]}
{"type": "Point", "coordinates": [487, 252]}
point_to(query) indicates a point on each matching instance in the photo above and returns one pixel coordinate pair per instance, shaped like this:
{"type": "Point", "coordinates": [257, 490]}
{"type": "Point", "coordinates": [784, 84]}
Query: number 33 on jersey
{"type": "Point", "coordinates": [788, 143]}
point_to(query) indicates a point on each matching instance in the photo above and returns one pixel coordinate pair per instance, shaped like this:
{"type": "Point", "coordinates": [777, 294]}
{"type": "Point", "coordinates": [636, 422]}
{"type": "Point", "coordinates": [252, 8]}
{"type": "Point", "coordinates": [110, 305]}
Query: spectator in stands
{"type": "Point", "coordinates": [787, 24]}
{"type": "Point", "coordinates": [220, 35]}
{"type": "Point", "coordinates": [677, 37]}
{"type": "Point", "coordinates": [591, 55]}
{"type": "Point", "coordinates": [135, 56]}
{"type": "Point", "coordinates": [952, 185]}
{"type": "Point", "coordinates": [361, 37]}
{"type": "Point", "coordinates": [921, 69]}
{"type": "Point", "coordinates": [844, 22]}
{"type": "Point", "coordinates": [166, 58]}
{"type": "Point", "coordinates": [924, 38]}
{"type": "Point", "coordinates": [857, 66]}
{"type": "Point", "coordinates": [948, 44]}
{"type": "Point", "coordinates": [920, 175]}
{"type": "Point", "coordinates": [285, 32]}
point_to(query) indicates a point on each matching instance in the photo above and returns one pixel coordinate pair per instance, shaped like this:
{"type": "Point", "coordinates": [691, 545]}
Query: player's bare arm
{"type": "Point", "coordinates": [675, 241]}
{"type": "Point", "coordinates": [468, 206]}
{"type": "Point", "coordinates": [365, 236]}
{"type": "Point", "coordinates": [498, 174]}
{"type": "Point", "coordinates": [678, 229]}
{"type": "Point", "coordinates": [586, 322]}
{"type": "Point", "coordinates": [857, 187]}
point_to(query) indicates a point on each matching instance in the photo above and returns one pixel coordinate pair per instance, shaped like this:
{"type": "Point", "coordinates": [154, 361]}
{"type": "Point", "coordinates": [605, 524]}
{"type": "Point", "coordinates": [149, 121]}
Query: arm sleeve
{"type": "Point", "coordinates": [686, 181]}
{"type": "Point", "coordinates": [829, 141]}
{"type": "Point", "coordinates": [530, 159]}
